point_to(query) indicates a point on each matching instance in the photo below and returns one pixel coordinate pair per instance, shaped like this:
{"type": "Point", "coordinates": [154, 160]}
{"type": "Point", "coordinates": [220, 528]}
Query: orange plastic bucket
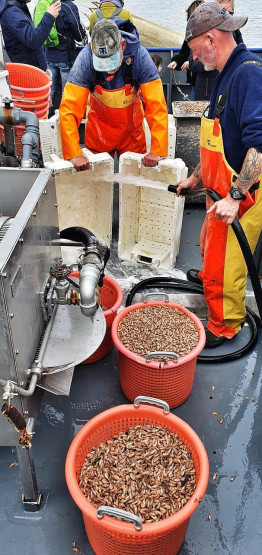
{"type": "Point", "coordinates": [32, 84]}
{"type": "Point", "coordinates": [29, 80]}
{"type": "Point", "coordinates": [111, 297]}
{"type": "Point", "coordinates": [33, 106]}
{"type": "Point", "coordinates": [27, 83]}
{"type": "Point", "coordinates": [110, 536]}
{"type": "Point", "coordinates": [19, 131]}
{"type": "Point", "coordinates": [171, 381]}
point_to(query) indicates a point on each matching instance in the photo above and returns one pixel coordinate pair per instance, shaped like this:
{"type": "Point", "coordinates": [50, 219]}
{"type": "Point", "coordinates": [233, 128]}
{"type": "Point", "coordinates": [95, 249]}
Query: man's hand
{"type": "Point", "coordinates": [172, 65]}
{"type": "Point", "coordinates": [150, 160]}
{"type": "Point", "coordinates": [54, 9]}
{"type": "Point", "coordinates": [185, 65]}
{"type": "Point", "coordinates": [226, 209]}
{"type": "Point", "coordinates": [189, 183]}
{"type": "Point", "coordinates": [80, 163]}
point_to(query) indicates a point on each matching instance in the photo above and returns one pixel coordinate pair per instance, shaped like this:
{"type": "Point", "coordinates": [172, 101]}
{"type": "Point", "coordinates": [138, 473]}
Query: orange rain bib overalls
{"type": "Point", "coordinates": [224, 270]}
{"type": "Point", "coordinates": [114, 120]}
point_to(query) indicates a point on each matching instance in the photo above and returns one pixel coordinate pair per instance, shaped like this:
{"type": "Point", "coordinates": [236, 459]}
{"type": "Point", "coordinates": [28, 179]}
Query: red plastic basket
{"type": "Point", "coordinates": [27, 83]}
{"type": "Point", "coordinates": [30, 80]}
{"type": "Point", "coordinates": [18, 132]}
{"type": "Point", "coordinates": [110, 536]}
{"type": "Point", "coordinates": [171, 381]}
{"type": "Point", "coordinates": [111, 297]}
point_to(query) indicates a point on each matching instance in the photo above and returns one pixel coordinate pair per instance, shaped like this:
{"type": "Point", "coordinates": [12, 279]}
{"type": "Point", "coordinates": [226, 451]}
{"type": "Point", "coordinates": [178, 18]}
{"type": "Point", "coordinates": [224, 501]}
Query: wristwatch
{"type": "Point", "coordinates": [237, 194]}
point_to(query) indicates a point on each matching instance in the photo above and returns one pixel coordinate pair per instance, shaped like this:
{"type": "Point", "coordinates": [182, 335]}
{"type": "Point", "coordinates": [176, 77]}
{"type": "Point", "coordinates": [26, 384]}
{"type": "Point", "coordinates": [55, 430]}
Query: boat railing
{"type": "Point", "coordinates": [174, 82]}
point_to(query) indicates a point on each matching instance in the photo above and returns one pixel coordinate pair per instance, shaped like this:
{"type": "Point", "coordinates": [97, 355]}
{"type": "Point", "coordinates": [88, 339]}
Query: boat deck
{"type": "Point", "coordinates": [228, 521]}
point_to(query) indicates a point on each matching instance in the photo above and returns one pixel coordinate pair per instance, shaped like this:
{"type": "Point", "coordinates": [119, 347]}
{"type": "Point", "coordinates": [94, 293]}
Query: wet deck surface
{"type": "Point", "coordinates": [234, 448]}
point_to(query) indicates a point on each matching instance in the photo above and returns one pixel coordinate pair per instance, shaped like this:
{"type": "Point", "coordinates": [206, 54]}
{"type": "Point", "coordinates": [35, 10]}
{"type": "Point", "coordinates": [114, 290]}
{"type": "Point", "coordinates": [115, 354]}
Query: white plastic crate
{"type": "Point", "coordinates": [50, 138]}
{"type": "Point", "coordinates": [150, 217]}
{"type": "Point", "coordinates": [84, 198]}
{"type": "Point", "coordinates": [4, 87]}
{"type": "Point", "coordinates": [171, 136]}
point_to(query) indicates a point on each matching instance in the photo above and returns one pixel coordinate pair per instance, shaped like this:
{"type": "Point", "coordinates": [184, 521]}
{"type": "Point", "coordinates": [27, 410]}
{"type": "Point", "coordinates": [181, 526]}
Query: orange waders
{"type": "Point", "coordinates": [224, 270]}
{"type": "Point", "coordinates": [114, 121]}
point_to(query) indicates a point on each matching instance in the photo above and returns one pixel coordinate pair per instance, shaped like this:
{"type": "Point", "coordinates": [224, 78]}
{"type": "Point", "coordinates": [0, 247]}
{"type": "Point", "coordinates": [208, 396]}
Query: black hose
{"type": "Point", "coordinates": [174, 283]}
{"type": "Point", "coordinates": [227, 357]}
{"type": "Point", "coordinates": [83, 235]}
{"type": "Point", "coordinates": [166, 282]}
{"type": "Point", "coordinates": [163, 281]}
{"type": "Point", "coordinates": [79, 234]}
{"type": "Point", "coordinates": [242, 240]}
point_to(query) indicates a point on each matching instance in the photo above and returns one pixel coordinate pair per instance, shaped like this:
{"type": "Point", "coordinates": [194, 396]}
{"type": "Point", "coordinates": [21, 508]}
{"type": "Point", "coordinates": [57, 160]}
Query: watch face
{"type": "Point", "coordinates": [236, 194]}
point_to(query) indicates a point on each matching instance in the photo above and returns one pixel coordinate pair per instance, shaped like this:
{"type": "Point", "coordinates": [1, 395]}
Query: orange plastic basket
{"type": "Point", "coordinates": [18, 132]}
{"type": "Point", "coordinates": [27, 83]}
{"type": "Point", "coordinates": [108, 535]}
{"type": "Point", "coordinates": [29, 80]}
{"type": "Point", "coordinates": [111, 297]}
{"type": "Point", "coordinates": [171, 381]}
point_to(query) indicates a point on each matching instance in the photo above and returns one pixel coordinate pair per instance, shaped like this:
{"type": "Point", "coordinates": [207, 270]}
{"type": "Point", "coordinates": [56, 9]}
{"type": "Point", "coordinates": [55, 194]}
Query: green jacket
{"type": "Point", "coordinates": [40, 9]}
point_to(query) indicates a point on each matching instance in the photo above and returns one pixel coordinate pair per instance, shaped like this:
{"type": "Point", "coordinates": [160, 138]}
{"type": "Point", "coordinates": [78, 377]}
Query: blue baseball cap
{"type": "Point", "coordinates": [106, 45]}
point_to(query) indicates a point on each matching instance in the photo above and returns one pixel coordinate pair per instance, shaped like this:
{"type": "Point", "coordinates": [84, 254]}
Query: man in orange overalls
{"type": "Point", "coordinates": [231, 165]}
{"type": "Point", "coordinates": [115, 83]}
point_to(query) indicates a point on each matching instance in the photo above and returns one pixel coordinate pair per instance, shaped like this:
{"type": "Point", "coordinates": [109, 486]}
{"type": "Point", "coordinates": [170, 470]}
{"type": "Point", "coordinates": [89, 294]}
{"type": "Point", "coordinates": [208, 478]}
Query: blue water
{"type": "Point", "coordinates": [171, 14]}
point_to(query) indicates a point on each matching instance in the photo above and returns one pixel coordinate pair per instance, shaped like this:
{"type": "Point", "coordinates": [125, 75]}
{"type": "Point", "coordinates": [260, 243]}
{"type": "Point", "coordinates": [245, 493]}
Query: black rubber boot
{"type": "Point", "coordinates": [212, 340]}
{"type": "Point", "coordinates": [192, 275]}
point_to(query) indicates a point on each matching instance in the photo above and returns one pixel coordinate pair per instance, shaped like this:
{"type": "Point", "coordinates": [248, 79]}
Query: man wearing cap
{"type": "Point", "coordinates": [106, 82]}
{"type": "Point", "coordinates": [231, 165]}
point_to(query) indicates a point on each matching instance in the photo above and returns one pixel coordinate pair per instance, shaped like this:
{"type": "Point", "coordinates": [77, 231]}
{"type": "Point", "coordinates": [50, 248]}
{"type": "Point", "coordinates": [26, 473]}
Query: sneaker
{"type": "Point", "coordinates": [192, 275]}
{"type": "Point", "coordinates": [212, 340]}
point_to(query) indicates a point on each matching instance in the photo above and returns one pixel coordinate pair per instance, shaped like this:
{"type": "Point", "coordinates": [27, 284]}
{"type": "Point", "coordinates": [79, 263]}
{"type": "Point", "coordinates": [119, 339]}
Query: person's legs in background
{"type": "Point", "coordinates": [60, 72]}
{"type": "Point", "coordinates": [64, 72]}
{"type": "Point", "coordinates": [55, 82]}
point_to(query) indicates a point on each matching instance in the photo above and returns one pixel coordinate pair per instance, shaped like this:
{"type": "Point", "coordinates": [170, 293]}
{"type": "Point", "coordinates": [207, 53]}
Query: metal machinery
{"type": "Point", "coordinates": [48, 323]}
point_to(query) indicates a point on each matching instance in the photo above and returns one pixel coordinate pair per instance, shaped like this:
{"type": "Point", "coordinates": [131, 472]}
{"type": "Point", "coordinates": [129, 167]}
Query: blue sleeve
{"type": "Point", "coordinates": [19, 25]}
{"type": "Point", "coordinates": [245, 97]}
{"type": "Point", "coordinates": [73, 19]}
{"type": "Point", "coordinates": [144, 69]}
{"type": "Point", "coordinates": [82, 72]}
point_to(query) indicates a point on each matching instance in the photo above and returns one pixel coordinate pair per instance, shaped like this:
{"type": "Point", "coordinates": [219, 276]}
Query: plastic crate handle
{"type": "Point", "coordinates": [162, 354]}
{"type": "Point", "coordinates": [119, 513]}
{"type": "Point", "coordinates": [157, 294]}
{"type": "Point", "coordinates": [152, 401]}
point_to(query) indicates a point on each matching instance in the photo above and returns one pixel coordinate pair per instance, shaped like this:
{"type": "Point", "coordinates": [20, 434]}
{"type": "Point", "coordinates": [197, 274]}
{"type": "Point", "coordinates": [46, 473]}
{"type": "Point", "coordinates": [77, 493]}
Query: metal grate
{"type": "Point", "coordinates": [5, 223]}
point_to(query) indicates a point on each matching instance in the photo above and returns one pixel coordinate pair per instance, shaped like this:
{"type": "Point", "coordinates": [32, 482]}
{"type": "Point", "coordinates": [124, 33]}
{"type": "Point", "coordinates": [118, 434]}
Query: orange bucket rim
{"type": "Point", "coordinates": [112, 524]}
{"type": "Point", "coordinates": [44, 97]}
{"type": "Point", "coordinates": [107, 281]}
{"type": "Point", "coordinates": [31, 69]}
{"type": "Point", "coordinates": [153, 364]}
{"type": "Point", "coordinates": [34, 105]}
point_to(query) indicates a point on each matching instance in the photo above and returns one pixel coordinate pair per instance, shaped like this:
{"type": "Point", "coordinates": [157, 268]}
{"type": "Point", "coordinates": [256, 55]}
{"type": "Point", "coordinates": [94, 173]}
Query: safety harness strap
{"type": "Point", "coordinates": [128, 76]}
{"type": "Point", "coordinates": [101, 16]}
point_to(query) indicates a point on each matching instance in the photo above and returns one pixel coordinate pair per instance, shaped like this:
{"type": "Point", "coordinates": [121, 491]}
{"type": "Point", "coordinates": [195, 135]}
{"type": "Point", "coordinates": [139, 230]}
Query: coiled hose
{"type": "Point", "coordinates": [173, 283]}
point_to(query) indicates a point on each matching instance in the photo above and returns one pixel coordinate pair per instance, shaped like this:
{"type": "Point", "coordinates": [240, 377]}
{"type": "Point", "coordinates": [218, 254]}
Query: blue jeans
{"type": "Point", "coordinates": [60, 72]}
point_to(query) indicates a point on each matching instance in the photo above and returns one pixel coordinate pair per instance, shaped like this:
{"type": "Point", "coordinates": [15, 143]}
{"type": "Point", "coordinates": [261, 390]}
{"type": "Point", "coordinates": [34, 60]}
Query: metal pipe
{"type": "Point", "coordinates": [88, 279]}
{"type": "Point", "coordinates": [95, 259]}
{"type": "Point", "coordinates": [65, 243]}
{"type": "Point", "coordinates": [46, 337]}
{"type": "Point", "coordinates": [10, 388]}
{"type": "Point", "coordinates": [36, 370]}
{"type": "Point", "coordinates": [16, 116]}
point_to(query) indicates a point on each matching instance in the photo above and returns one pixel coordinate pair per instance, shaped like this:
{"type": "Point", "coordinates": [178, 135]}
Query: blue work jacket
{"type": "Point", "coordinates": [23, 41]}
